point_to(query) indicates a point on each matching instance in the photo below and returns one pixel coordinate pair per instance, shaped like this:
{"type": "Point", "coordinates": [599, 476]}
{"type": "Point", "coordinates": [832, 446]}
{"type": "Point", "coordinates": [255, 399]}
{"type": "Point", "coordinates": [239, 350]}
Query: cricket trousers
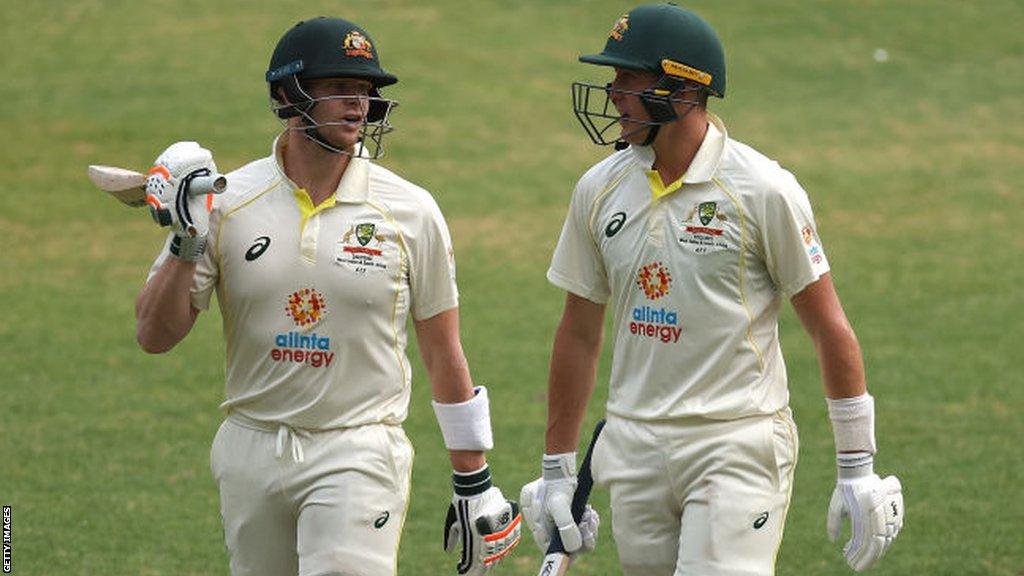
{"type": "Point", "coordinates": [698, 497]}
{"type": "Point", "coordinates": [311, 503]}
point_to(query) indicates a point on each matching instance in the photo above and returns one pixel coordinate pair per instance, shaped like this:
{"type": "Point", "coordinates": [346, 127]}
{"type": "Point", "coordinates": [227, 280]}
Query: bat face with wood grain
{"type": "Point", "coordinates": [557, 560]}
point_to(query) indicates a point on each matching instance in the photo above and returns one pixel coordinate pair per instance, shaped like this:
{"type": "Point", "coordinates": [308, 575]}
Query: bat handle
{"type": "Point", "coordinates": [212, 184]}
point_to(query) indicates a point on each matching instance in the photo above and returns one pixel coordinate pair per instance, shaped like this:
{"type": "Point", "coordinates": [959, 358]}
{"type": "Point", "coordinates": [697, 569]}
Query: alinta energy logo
{"type": "Point", "coordinates": [655, 281]}
{"type": "Point", "coordinates": [305, 307]}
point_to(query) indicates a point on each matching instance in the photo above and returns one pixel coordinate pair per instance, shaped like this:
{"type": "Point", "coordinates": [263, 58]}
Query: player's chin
{"type": "Point", "coordinates": [633, 133]}
{"type": "Point", "coordinates": [344, 133]}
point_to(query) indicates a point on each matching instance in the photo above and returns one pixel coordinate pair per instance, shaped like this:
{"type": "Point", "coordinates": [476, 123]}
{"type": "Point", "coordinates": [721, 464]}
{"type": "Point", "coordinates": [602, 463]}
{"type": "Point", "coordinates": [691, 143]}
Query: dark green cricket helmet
{"type": "Point", "coordinates": [665, 39]}
{"type": "Point", "coordinates": [323, 48]}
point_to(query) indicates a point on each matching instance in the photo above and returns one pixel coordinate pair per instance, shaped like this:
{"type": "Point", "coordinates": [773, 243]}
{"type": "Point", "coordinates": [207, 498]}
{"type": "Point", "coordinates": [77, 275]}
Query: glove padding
{"type": "Point", "coordinates": [170, 201]}
{"type": "Point", "coordinates": [487, 525]}
{"type": "Point", "coordinates": [874, 506]}
{"type": "Point", "coordinates": [542, 525]}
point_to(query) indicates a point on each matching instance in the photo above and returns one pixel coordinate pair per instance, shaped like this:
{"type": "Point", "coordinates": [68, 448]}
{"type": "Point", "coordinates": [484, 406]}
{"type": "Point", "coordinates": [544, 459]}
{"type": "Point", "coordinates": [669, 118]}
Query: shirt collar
{"type": "Point", "coordinates": [704, 163]}
{"type": "Point", "coordinates": [354, 187]}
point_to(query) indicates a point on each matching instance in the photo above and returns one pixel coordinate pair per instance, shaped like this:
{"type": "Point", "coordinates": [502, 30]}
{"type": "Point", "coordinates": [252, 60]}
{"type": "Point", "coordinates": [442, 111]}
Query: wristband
{"type": "Point", "coordinates": [853, 465]}
{"type": "Point", "coordinates": [853, 423]}
{"type": "Point", "coordinates": [466, 425]}
{"type": "Point", "coordinates": [471, 484]}
{"type": "Point", "coordinates": [188, 249]}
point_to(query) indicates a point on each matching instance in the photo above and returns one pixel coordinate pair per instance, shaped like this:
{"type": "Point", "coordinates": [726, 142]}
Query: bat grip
{"type": "Point", "coordinates": [211, 184]}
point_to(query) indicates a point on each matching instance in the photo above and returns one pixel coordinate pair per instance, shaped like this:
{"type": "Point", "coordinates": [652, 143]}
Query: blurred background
{"type": "Point", "coordinates": [904, 120]}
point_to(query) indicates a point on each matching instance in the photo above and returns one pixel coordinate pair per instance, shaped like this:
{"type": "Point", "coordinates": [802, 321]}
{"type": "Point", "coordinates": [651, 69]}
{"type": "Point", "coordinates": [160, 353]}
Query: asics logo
{"type": "Point", "coordinates": [613, 227]}
{"type": "Point", "coordinates": [258, 248]}
{"type": "Point", "coordinates": [381, 520]}
{"type": "Point", "coordinates": [761, 520]}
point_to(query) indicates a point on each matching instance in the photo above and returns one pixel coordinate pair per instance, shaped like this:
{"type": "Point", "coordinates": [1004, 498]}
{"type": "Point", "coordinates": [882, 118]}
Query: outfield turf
{"type": "Point", "coordinates": [913, 165]}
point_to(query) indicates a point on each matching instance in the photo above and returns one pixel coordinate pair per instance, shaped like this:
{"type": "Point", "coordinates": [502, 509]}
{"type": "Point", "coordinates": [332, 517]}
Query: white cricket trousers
{"type": "Point", "coordinates": [298, 502]}
{"type": "Point", "coordinates": [698, 497]}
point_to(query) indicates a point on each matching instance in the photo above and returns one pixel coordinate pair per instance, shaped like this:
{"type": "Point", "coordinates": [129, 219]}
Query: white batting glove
{"type": "Point", "coordinates": [874, 506]}
{"type": "Point", "coordinates": [481, 519]}
{"type": "Point", "coordinates": [173, 201]}
{"type": "Point", "coordinates": [541, 526]}
{"type": "Point", "coordinates": [547, 506]}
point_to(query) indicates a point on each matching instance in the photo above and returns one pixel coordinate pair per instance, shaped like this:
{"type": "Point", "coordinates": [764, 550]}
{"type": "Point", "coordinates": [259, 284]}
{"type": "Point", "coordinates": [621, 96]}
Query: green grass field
{"type": "Point", "coordinates": [914, 167]}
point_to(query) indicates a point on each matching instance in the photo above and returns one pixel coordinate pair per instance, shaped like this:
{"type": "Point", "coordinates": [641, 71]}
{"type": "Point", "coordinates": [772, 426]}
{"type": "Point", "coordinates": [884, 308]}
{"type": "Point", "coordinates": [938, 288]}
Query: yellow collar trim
{"type": "Point", "coordinates": [306, 207]}
{"type": "Point", "coordinates": [658, 188]}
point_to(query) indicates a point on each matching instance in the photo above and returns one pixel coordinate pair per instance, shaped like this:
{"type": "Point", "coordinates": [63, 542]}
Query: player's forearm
{"type": "Point", "coordinates": [451, 384]}
{"type": "Point", "coordinates": [574, 360]}
{"type": "Point", "coordinates": [448, 371]}
{"type": "Point", "coordinates": [839, 357]}
{"type": "Point", "coordinates": [163, 310]}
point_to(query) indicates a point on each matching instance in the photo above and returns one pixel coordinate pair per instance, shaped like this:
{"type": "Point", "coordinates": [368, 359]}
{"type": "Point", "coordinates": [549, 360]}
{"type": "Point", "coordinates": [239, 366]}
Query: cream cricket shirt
{"type": "Point", "coordinates": [693, 273]}
{"type": "Point", "coordinates": [315, 300]}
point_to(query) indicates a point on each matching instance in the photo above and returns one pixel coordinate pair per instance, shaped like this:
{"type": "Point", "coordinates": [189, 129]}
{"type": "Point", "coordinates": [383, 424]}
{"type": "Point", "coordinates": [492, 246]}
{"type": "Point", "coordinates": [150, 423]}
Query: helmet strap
{"type": "Point", "coordinates": [658, 102]}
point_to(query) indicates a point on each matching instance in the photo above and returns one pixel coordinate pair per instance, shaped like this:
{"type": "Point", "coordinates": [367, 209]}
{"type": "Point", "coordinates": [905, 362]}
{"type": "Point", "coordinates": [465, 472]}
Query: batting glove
{"type": "Point", "coordinates": [532, 499]}
{"type": "Point", "coordinates": [176, 200]}
{"type": "Point", "coordinates": [547, 505]}
{"type": "Point", "coordinates": [874, 506]}
{"type": "Point", "coordinates": [482, 520]}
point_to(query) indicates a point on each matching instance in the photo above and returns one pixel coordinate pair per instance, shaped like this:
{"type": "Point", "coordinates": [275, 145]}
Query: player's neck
{"type": "Point", "coordinates": [312, 167]}
{"type": "Point", "coordinates": [677, 144]}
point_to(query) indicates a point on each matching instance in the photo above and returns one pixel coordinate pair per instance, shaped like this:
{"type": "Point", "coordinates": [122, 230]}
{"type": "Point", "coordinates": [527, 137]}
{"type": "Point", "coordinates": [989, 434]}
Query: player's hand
{"type": "Point", "coordinates": [874, 506]}
{"type": "Point", "coordinates": [480, 519]}
{"type": "Point", "coordinates": [173, 200]}
{"type": "Point", "coordinates": [542, 525]}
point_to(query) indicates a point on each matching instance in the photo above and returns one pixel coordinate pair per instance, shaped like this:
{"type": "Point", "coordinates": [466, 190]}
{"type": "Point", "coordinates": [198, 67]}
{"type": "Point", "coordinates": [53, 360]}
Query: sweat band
{"type": "Point", "coordinates": [466, 425]}
{"type": "Point", "coordinates": [853, 423]}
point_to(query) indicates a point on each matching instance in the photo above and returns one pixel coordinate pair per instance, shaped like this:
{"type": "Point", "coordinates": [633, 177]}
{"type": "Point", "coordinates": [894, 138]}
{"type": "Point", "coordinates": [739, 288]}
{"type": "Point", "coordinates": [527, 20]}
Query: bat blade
{"type": "Point", "coordinates": [557, 560]}
{"type": "Point", "coordinates": [128, 186]}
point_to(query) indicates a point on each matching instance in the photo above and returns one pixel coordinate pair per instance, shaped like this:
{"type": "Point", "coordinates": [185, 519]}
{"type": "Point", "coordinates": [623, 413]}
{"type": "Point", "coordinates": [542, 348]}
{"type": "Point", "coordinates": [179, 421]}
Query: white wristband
{"type": "Point", "coordinates": [466, 425]}
{"type": "Point", "coordinates": [853, 423]}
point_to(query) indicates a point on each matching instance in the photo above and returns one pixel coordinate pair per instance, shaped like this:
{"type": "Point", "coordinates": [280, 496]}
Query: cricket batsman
{"type": "Point", "coordinates": [319, 258]}
{"type": "Point", "coordinates": [692, 241]}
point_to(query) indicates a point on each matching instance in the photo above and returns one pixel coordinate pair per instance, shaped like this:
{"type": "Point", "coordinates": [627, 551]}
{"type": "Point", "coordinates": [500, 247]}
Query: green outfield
{"type": "Point", "coordinates": [913, 159]}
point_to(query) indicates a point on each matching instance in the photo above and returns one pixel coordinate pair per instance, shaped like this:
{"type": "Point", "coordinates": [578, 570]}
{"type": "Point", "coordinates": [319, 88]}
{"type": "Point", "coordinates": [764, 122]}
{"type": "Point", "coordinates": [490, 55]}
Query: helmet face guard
{"type": "Point", "coordinates": [375, 124]}
{"type": "Point", "coordinates": [598, 115]}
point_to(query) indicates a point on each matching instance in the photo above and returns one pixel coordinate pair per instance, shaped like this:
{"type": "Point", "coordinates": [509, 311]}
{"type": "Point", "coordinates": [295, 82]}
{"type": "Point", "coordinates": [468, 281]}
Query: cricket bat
{"type": "Point", "coordinates": [129, 186]}
{"type": "Point", "coordinates": [557, 560]}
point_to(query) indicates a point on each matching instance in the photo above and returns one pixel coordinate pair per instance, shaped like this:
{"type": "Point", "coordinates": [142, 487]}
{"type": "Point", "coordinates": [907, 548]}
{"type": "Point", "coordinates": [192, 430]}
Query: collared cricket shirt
{"type": "Point", "coordinates": [693, 273]}
{"type": "Point", "coordinates": [315, 300]}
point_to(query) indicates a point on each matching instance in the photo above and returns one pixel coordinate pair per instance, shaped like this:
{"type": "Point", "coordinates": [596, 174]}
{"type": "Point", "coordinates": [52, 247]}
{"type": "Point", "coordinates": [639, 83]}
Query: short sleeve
{"type": "Point", "coordinates": [576, 265]}
{"type": "Point", "coordinates": [793, 248]}
{"type": "Point", "coordinates": [432, 266]}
